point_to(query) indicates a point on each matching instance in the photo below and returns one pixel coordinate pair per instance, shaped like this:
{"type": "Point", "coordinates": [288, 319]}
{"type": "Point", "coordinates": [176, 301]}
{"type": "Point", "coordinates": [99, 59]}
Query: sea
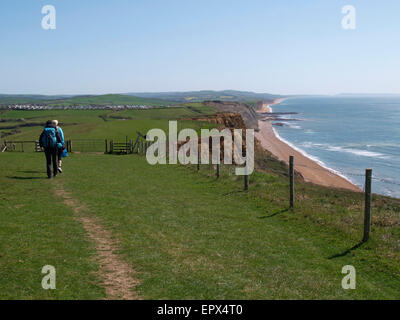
{"type": "Point", "coordinates": [347, 134]}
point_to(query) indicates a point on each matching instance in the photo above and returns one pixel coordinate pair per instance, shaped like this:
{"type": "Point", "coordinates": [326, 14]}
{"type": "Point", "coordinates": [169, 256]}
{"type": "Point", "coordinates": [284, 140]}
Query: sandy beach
{"type": "Point", "coordinates": [309, 169]}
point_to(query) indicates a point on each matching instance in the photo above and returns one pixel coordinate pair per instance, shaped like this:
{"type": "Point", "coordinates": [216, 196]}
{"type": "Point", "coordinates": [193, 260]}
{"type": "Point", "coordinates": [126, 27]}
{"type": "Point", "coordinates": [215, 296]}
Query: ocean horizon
{"type": "Point", "coordinates": [347, 135]}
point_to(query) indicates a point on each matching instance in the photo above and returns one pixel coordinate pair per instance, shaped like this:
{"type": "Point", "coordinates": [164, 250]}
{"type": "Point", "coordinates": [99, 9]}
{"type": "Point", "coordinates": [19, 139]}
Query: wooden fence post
{"type": "Point", "coordinates": [246, 176]}
{"type": "Point", "coordinates": [246, 179]}
{"type": "Point", "coordinates": [112, 146]}
{"type": "Point", "coordinates": [5, 146]}
{"type": "Point", "coordinates": [291, 176]}
{"type": "Point", "coordinates": [106, 145]}
{"type": "Point", "coordinates": [70, 145]}
{"type": "Point", "coordinates": [198, 160]}
{"type": "Point", "coordinates": [217, 170]}
{"type": "Point", "coordinates": [367, 212]}
{"type": "Point", "coordinates": [131, 146]}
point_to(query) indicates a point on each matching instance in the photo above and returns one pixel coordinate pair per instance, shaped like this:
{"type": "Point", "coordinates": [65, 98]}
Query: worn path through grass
{"type": "Point", "coordinates": [185, 234]}
{"type": "Point", "coordinates": [117, 276]}
{"type": "Point", "coordinates": [190, 236]}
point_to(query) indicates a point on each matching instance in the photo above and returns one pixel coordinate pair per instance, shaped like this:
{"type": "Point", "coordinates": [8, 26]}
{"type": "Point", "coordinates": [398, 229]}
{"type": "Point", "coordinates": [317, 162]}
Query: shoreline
{"type": "Point", "coordinates": [309, 168]}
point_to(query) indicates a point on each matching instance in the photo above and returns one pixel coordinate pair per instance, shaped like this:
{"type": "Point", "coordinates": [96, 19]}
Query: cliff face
{"type": "Point", "coordinates": [249, 115]}
{"type": "Point", "coordinates": [227, 120]}
{"type": "Point", "coordinates": [264, 160]}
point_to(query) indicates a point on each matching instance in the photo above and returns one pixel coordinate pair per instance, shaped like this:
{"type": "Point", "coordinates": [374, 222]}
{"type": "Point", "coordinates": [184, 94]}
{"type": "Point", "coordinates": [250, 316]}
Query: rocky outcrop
{"type": "Point", "coordinates": [226, 120]}
{"type": "Point", "coordinates": [249, 115]}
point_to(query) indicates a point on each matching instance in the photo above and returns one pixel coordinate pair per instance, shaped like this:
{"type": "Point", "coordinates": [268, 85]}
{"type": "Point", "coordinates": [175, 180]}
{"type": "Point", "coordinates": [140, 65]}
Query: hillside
{"type": "Point", "coordinates": [26, 98]}
{"type": "Point", "coordinates": [148, 98]}
{"type": "Point", "coordinates": [196, 96]}
{"type": "Point", "coordinates": [248, 113]}
{"type": "Point", "coordinates": [100, 100]}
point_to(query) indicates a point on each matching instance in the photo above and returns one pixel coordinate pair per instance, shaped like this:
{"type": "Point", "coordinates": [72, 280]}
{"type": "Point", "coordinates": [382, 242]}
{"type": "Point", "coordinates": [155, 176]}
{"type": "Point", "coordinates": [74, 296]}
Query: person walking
{"type": "Point", "coordinates": [61, 151]}
{"type": "Point", "coordinates": [49, 140]}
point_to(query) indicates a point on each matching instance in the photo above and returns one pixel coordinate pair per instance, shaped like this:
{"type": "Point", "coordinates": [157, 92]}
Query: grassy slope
{"type": "Point", "coordinates": [190, 236]}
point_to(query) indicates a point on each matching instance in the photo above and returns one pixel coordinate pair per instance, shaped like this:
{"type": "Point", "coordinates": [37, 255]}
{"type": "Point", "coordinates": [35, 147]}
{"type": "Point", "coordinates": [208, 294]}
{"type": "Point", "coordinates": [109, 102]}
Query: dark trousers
{"type": "Point", "coordinates": [59, 153]}
{"type": "Point", "coordinates": [51, 155]}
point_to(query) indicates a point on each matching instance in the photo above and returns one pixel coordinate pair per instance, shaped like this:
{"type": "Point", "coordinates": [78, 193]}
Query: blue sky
{"type": "Point", "coordinates": [115, 46]}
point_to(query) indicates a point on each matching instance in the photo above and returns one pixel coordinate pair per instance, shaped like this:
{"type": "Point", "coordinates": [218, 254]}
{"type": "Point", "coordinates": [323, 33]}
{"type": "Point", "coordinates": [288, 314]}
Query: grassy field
{"type": "Point", "coordinates": [99, 124]}
{"type": "Point", "coordinates": [186, 234]}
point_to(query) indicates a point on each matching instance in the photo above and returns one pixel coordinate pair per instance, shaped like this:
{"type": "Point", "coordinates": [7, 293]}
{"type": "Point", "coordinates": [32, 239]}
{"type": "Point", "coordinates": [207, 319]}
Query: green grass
{"type": "Point", "coordinates": [36, 229]}
{"type": "Point", "coordinates": [188, 235]}
{"type": "Point", "coordinates": [103, 124]}
{"type": "Point", "coordinates": [108, 99]}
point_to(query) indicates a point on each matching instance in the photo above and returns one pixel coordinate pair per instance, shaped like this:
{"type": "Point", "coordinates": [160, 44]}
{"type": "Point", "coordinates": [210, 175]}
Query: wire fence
{"type": "Point", "coordinates": [140, 146]}
{"type": "Point", "coordinates": [79, 145]}
{"type": "Point", "coordinates": [103, 145]}
{"type": "Point", "coordinates": [19, 146]}
{"type": "Point", "coordinates": [360, 174]}
{"type": "Point", "coordinates": [88, 145]}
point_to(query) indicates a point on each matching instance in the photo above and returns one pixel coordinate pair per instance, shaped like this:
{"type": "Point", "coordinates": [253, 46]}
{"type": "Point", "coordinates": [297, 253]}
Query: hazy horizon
{"type": "Point", "coordinates": [202, 90]}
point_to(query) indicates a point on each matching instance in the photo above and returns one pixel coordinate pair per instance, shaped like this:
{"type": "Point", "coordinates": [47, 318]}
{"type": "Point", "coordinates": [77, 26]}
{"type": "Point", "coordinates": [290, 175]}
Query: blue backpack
{"type": "Point", "coordinates": [49, 138]}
